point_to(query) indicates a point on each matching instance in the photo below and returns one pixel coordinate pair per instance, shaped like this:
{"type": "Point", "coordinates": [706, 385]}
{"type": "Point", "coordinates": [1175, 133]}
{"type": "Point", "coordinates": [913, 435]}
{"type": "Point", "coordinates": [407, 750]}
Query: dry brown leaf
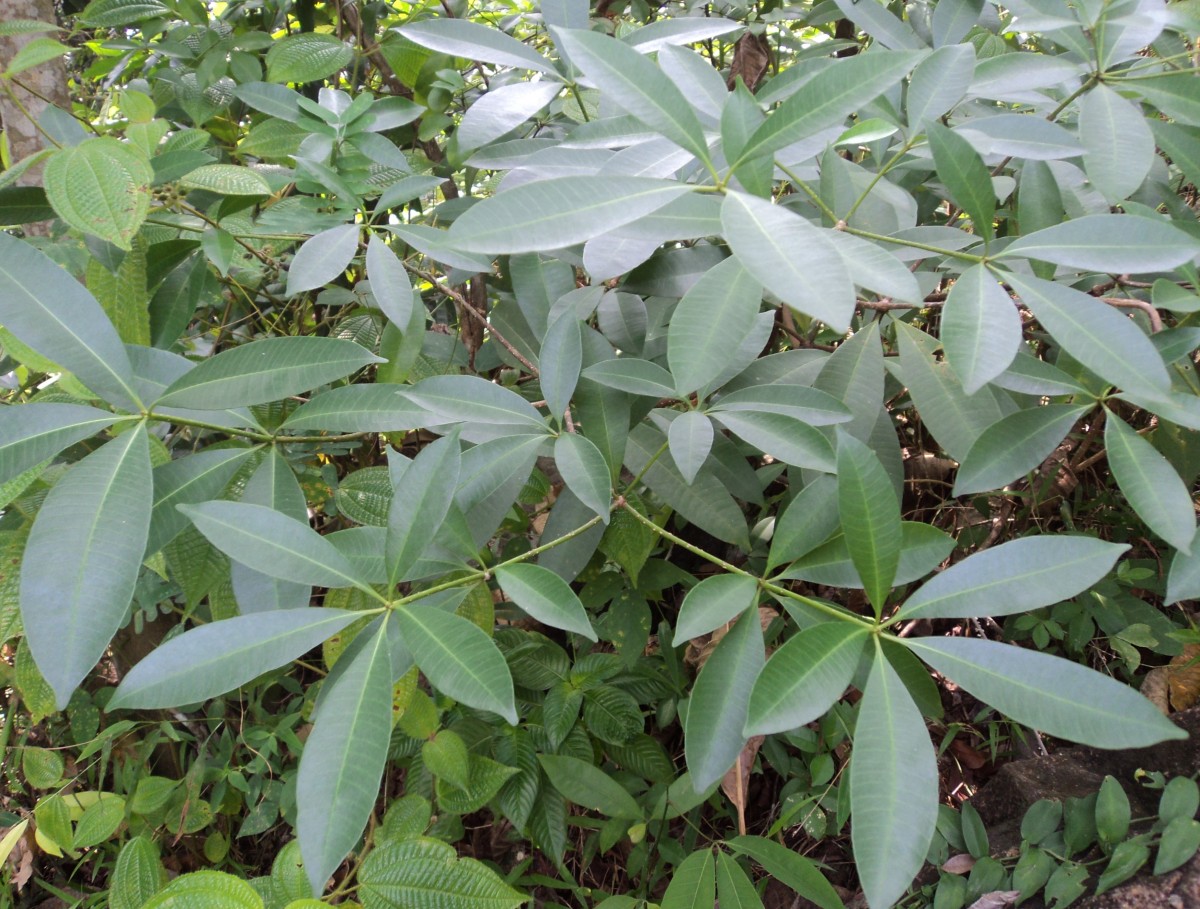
{"type": "Point", "coordinates": [736, 783]}
{"type": "Point", "coordinates": [751, 59]}
{"type": "Point", "coordinates": [997, 899]}
{"type": "Point", "coordinates": [959, 864]}
{"type": "Point", "coordinates": [1156, 688]}
{"type": "Point", "coordinates": [1184, 678]}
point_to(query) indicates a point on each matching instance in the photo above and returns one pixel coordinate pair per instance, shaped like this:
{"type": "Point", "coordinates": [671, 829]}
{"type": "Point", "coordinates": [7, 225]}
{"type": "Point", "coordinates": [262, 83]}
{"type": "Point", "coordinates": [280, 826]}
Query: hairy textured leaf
{"type": "Point", "coordinates": [101, 187]}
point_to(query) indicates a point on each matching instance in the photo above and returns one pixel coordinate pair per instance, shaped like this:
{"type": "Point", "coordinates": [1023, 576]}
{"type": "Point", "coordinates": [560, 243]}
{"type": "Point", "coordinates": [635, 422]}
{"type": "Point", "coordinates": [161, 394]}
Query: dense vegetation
{"type": "Point", "coordinates": [462, 454]}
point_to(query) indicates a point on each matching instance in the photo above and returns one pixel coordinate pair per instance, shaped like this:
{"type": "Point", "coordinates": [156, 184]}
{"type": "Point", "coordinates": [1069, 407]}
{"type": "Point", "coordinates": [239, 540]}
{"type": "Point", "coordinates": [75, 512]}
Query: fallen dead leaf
{"type": "Point", "coordinates": [997, 899]}
{"type": "Point", "coordinates": [959, 864]}
{"type": "Point", "coordinates": [736, 783]}
{"type": "Point", "coordinates": [1184, 678]}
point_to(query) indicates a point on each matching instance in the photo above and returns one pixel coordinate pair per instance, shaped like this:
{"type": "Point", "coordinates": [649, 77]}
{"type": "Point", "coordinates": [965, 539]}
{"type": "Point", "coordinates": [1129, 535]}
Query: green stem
{"type": "Point", "coordinates": [254, 435]}
{"type": "Point", "coordinates": [810, 192]}
{"type": "Point", "coordinates": [952, 253]}
{"type": "Point", "coordinates": [887, 166]}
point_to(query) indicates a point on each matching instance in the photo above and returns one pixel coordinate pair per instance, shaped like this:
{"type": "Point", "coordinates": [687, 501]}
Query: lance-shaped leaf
{"type": "Point", "coordinates": [870, 516]}
{"type": "Point", "coordinates": [800, 402]}
{"type": "Point", "coordinates": [546, 597]}
{"type": "Point", "coordinates": [924, 548]}
{"type": "Point", "coordinates": [790, 257]}
{"type": "Point", "coordinates": [632, 375]}
{"type": "Point", "coordinates": [1016, 576]}
{"type": "Point", "coordinates": [268, 541]}
{"type": "Point", "coordinates": [585, 471]}
{"type": "Point", "coordinates": [963, 172]}
{"type": "Point", "coordinates": [272, 485]}
{"type": "Point", "coordinates": [583, 783]}
{"type": "Point", "coordinates": [1109, 243]}
{"type": "Point", "coordinates": [805, 677]}
{"type": "Point", "coordinates": [830, 97]}
{"type": "Point", "coordinates": [981, 328]}
{"type": "Point", "coordinates": [806, 522]}
{"type": "Point", "coordinates": [83, 557]}
{"type": "Point", "coordinates": [634, 83]}
{"type": "Point", "coordinates": [781, 436]}
{"type": "Point", "coordinates": [264, 371]}
{"type": "Point", "coordinates": [420, 503]}
{"type": "Point", "coordinates": [501, 110]}
{"type": "Point", "coordinates": [1150, 484]}
{"type": "Point", "coordinates": [1049, 693]}
{"type": "Point", "coordinates": [358, 408]}
{"type": "Point", "coordinates": [734, 887]}
{"type": "Point", "coordinates": [1010, 448]}
{"type": "Point", "coordinates": [694, 882]}
{"type": "Point", "coordinates": [893, 787]}
{"type": "Point", "coordinates": [691, 439]}
{"type": "Point", "coordinates": [186, 481]}
{"type": "Point", "coordinates": [47, 309]}
{"type": "Point", "coordinates": [470, 399]}
{"type": "Point", "coordinates": [212, 659]}
{"type": "Point", "coordinates": [713, 736]}
{"type": "Point", "coordinates": [551, 214]}
{"type": "Point", "coordinates": [790, 868]}
{"type": "Point", "coordinates": [559, 361]}
{"type": "Point", "coordinates": [31, 433]}
{"type": "Point", "coordinates": [484, 43]}
{"type": "Point", "coordinates": [342, 764]}
{"type": "Point", "coordinates": [460, 659]}
{"type": "Point", "coordinates": [390, 286]}
{"type": "Point", "coordinates": [720, 306]}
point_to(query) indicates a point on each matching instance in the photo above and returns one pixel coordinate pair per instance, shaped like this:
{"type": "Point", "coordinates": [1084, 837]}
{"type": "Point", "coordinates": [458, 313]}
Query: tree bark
{"type": "Point", "coordinates": [35, 89]}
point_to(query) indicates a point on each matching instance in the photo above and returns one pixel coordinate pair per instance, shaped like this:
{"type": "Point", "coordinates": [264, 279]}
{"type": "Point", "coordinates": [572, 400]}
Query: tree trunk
{"type": "Point", "coordinates": [35, 89]}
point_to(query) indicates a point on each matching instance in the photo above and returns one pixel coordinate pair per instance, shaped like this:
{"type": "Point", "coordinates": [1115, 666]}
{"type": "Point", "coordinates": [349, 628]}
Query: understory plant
{"type": "Point", "coordinates": [562, 420]}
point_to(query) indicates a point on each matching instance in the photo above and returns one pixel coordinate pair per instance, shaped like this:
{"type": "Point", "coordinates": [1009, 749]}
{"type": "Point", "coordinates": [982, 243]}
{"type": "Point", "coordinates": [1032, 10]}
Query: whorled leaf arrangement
{"type": "Point", "coordinates": [692, 279]}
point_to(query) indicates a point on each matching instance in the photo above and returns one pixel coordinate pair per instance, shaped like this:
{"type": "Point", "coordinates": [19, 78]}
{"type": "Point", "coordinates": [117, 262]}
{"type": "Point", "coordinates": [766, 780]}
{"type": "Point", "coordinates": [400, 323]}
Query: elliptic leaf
{"type": "Point", "coordinates": [501, 110]}
{"type": "Point", "coordinates": [981, 328]}
{"type": "Point", "coordinates": [583, 783]}
{"type": "Point", "coordinates": [31, 433]}
{"type": "Point", "coordinates": [106, 13]}
{"type": "Point", "coordinates": [321, 258]}
{"type": "Point", "coordinates": [227, 180]}
{"type": "Point", "coordinates": [211, 659]}
{"type": "Point", "coordinates": [1118, 146]}
{"type": "Point", "coordinates": [870, 516]}
{"type": "Point", "coordinates": [420, 503]}
{"type": "Point", "coordinates": [546, 597]}
{"type": "Point", "coordinates": [1110, 244]}
{"type": "Point", "coordinates": [390, 286]}
{"type": "Point", "coordinates": [693, 884]}
{"type": "Point", "coordinates": [483, 43]}
{"type": "Point", "coordinates": [790, 257]}
{"type": "Point", "coordinates": [783, 437]}
{"type": "Point", "coordinates": [1016, 576]}
{"type": "Point", "coordinates": [265, 370]}
{"type": "Point", "coordinates": [691, 438]}
{"type": "Point", "coordinates": [893, 787]}
{"type": "Point", "coordinates": [1010, 448]}
{"type": "Point", "coordinates": [790, 868]}
{"type": "Point", "coordinates": [340, 770]}
{"type": "Point", "coordinates": [358, 408]}
{"type": "Point", "coordinates": [1150, 484]}
{"type": "Point", "coordinates": [712, 603]}
{"type": "Point", "coordinates": [965, 175]}
{"type": "Point", "coordinates": [585, 472]}
{"type": "Point", "coordinates": [428, 873]}
{"type": "Point", "coordinates": [83, 557]}
{"type": "Point", "coordinates": [101, 187]}
{"type": "Point", "coordinates": [186, 481]}
{"type": "Point", "coordinates": [210, 889]}
{"type": "Point", "coordinates": [559, 361]}
{"type": "Point", "coordinates": [1049, 693]}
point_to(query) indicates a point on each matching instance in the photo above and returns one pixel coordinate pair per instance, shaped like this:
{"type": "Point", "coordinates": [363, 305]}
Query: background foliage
{"type": "Point", "coordinates": [592, 454]}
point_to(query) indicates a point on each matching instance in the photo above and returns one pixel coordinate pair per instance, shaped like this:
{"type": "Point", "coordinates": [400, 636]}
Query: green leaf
{"type": "Point", "coordinates": [806, 522]}
{"type": "Point", "coordinates": [429, 874]}
{"type": "Point", "coordinates": [1118, 147]}
{"type": "Point", "coordinates": [137, 875]}
{"type": "Point", "coordinates": [1017, 444]}
{"type": "Point", "coordinates": [211, 659]}
{"type": "Point", "coordinates": [734, 888]}
{"type": "Point", "coordinates": [635, 84]}
{"type": "Point", "coordinates": [83, 557]}
{"type": "Point", "coordinates": [870, 516]}
{"type": "Point", "coordinates": [227, 180]}
{"type": "Point", "coordinates": [720, 306]}
{"type": "Point", "coordinates": [893, 787]}
{"type": "Point", "coordinates": [712, 603]}
{"type": "Point", "coordinates": [107, 13]}
{"type": "Point", "coordinates": [694, 883]}
{"type": "Point", "coordinates": [269, 541]}
{"type": "Point", "coordinates": [358, 408]}
{"type": "Point", "coordinates": [101, 187]}
{"type": "Point", "coordinates": [629, 374]}
{"type": "Point", "coordinates": [460, 660]}
{"type": "Point", "coordinates": [322, 258]}
{"type": "Point", "coordinates": [546, 597]}
{"type": "Point", "coordinates": [922, 549]}
{"type": "Point", "coordinates": [343, 759]}
{"type": "Point", "coordinates": [559, 361]}
{"type": "Point", "coordinates": [783, 437]}
{"type": "Point", "coordinates": [690, 436]}
{"type": "Point", "coordinates": [1016, 576]}
{"type": "Point", "coordinates": [389, 282]}
{"type": "Point", "coordinates": [1054, 695]}
{"type": "Point", "coordinates": [306, 57]}
{"type": "Point", "coordinates": [502, 110]}
{"type": "Point", "coordinates": [210, 889]}
{"type": "Point", "coordinates": [981, 328]}
{"type": "Point", "coordinates": [187, 481]}
{"type": "Point", "coordinates": [713, 736]}
{"type": "Point", "coordinates": [265, 370]}
{"type": "Point", "coordinates": [34, 53]}
{"type": "Point", "coordinates": [46, 308]}
{"type": "Point", "coordinates": [1174, 95]}
{"type": "Point", "coordinates": [485, 44]}
{"type": "Point", "coordinates": [789, 868]}
{"type": "Point", "coordinates": [31, 433]}
{"type": "Point", "coordinates": [585, 471]}
{"type": "Point", "coordinates": [941, 79]}
{"type": "Point", "coordinates": [790, 257]}
{"type": "Point", "coordinates": [829, 97]}
{"type": "Point", "coordinates": [99, 821]}
{"type": "Point", "coordinates": [966, 177]}
{"type": "Point", "coordinates": [1150, 483]}
{"type": "Point", "coordinates": [805, 677]}
{"type": "Point", "coordinates": [587, 785]}
{"type": "Point", "coordinates": [470, 399]}
{"type": "Point", "coordinates": [1179, 842]}
{"type": "Point", "coordinates": [551, 214]}
{"type": "Point", "coordinates": [1108, 243]}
